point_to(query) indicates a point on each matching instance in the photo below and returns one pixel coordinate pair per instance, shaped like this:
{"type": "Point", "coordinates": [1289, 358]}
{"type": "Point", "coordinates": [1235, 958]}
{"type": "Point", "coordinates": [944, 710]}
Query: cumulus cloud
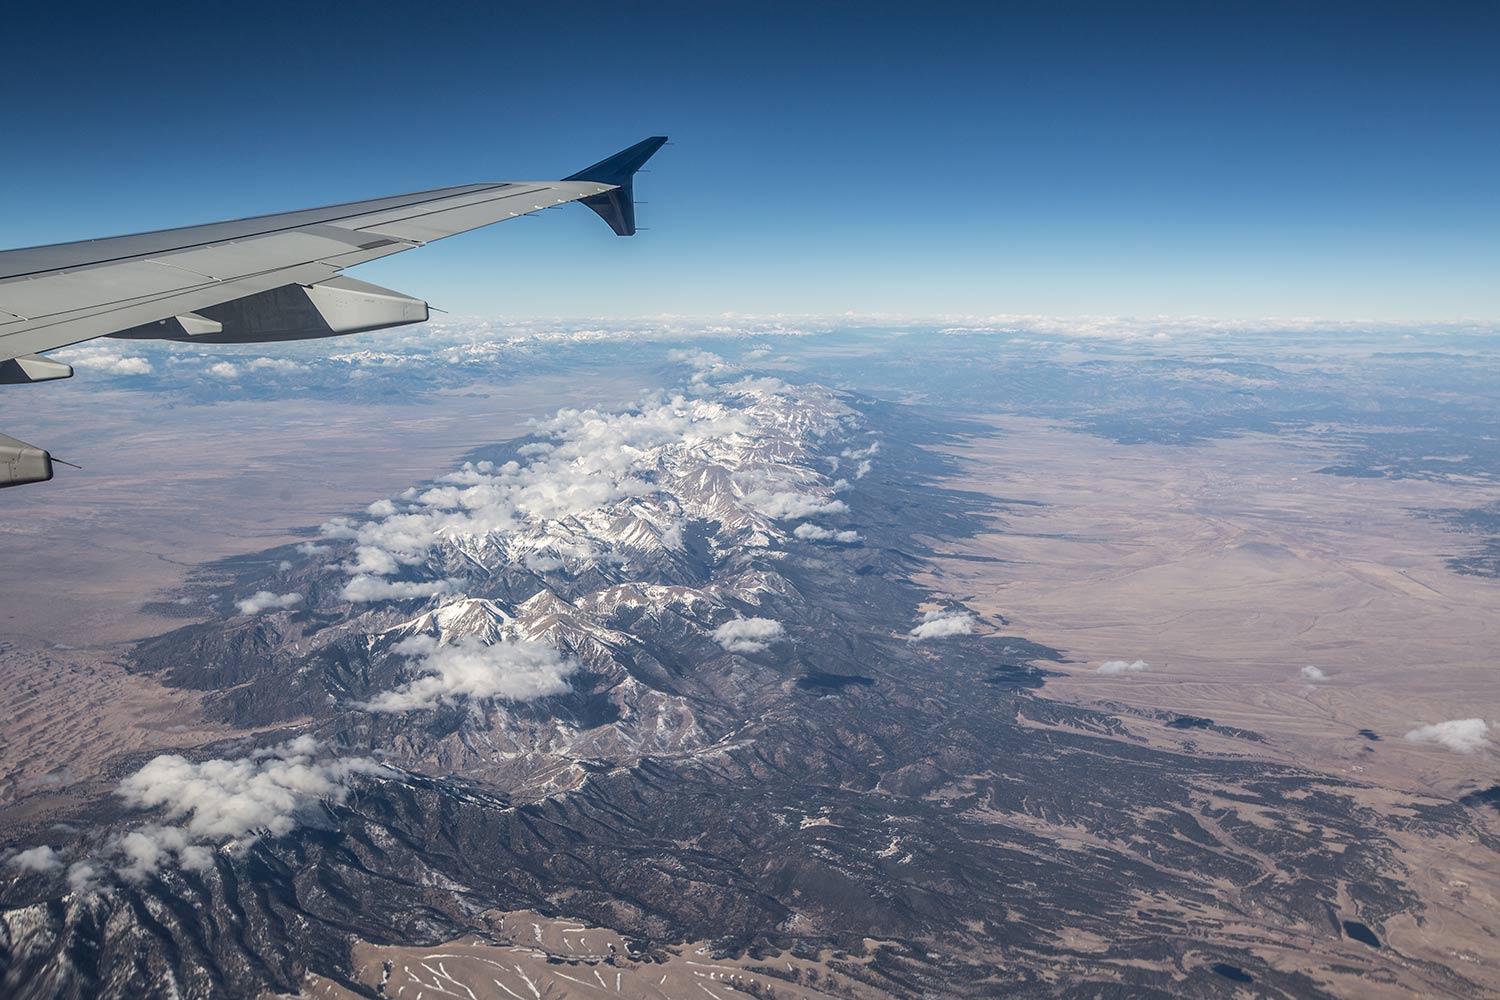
{"type": "Point", "coordinates": [371, 560]}
{"type": "Point", "coordinates": [104, 358]}
{"type": "Point", "coordinates": [789, 505]}
{"type": "Point", "coordinates": [816, 533]}
{"type": "Point", "coordinates": [1123, 667]}
{"type": "Point", "coordinates": [311, 549]}
{"type": "Point", "coordinates": [514, 670]}
{"type": "Point", "coordinates": [37, 859]}
{"type": "Point", "coordinates": [81, 876]}
{"type": "Point", "coordinates": [371, 588]}
{"type": "Point", "coordinates": [941, 624]}
{"type": "Point", "coordinates": [748, 635]}
{"type": "Point", "coordinates": [704, 363]}
{"type": "Point", "coordinates": [115, 365]}
{"type": "Point", "coordinates": [223, 369]}
{"type": "Point", "coordinates": [862, 457]}
{"type": "Point", "coordinates": [1312, 673]}
{"type": "Point", "coordinates": [1458, 735]}
{"type": "Point", "coordinates": [212, 802]}
{"type": "Point", "coordinates": [265, 600]}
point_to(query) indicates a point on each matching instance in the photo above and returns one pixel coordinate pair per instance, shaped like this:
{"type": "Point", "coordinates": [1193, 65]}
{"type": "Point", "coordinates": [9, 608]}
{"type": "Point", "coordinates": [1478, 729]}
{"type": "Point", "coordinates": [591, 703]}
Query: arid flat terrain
{"type": "Point", "coordinates": [1228, 567]}
{"type": "Point", "coordinates": [530, 956]}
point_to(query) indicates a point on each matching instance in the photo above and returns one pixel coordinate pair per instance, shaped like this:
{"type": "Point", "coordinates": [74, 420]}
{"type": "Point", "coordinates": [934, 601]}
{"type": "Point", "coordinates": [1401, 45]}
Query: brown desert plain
{"type": "Point", "coordinates": [1228, 567]}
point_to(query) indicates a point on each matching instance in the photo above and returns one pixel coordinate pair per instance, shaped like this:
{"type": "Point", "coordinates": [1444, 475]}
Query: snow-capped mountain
{"type": "Point", "coordinates": [565, 601]}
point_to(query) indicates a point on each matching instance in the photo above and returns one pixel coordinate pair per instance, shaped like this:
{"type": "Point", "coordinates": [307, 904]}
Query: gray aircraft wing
{"type": "Point", "coordinates": [267, 278]}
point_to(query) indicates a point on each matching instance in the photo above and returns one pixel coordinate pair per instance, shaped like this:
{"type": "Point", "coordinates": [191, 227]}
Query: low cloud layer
{"type": "Point", "coordinates": [1123, 667]}
{"type": "Point", "coordinates": [817, 533]}
{"type": "Point", "coordinates": [748, 635]}
{"type": "Point", "coordinates": [1458, 735]}
{"type": "Point", "coordinates": [373, 588]}
{"type": "Point", "coordinates": [265, 600]}
{"type": "Point", "coordinates": [942, 624]}
{"type": "Point", "coordinates": [208, 803]}
{"type": "Point", "coordinates": [513, 670]}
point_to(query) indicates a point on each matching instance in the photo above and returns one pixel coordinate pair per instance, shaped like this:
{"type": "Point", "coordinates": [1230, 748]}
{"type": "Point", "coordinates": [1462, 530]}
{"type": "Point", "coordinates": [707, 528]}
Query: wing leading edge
{"type": "Point", "coordinates": [265, 278]}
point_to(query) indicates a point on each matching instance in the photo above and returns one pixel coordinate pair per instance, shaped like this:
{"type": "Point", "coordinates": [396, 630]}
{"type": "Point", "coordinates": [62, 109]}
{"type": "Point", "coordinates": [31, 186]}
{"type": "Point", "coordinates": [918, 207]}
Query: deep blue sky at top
{"type": "Point", "coordinates": [1223, 159]}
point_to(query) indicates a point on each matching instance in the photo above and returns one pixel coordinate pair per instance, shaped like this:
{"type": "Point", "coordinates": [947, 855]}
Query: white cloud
{"type": "Point", "coordinates": [1312, 673]}
{"type": "Point", "coordinates": [81, 876]}
{"type": "Point", "coordinates": [223, 369]}
{"type": "Point", "coordinates": [862, 457]}
{"type": "Point", "coordinates": [790, 504]}
{"type": "Point", "coordinates": [370, 588]}
{"type": "Point", "coordinates": [311, 549]}
{"type": "Point", "coordinates": [748, 635]}
{"type": "Point", "coordinates": [104, 358]}
{"type": "Point", "coordinates": [1123, 667]}
{"type": "Point", "coordinates": [816, 533]}
{"type": "Point", "coordinates": [1459, 735]}
{"type": "Point", "coordinates": [265, 600]}
{"type": "Point", "coordinates": [216, 801]}
{"type": "Point", "coordinates": [286, 365]}
{"type": "Point", "coordinates": [513, 670]}
{"type": "Point", "coordinates": [37, 859]}
{"type": "Point", "coordinates": [371, 560]}
{"type": "Point", "coordinates": [941, 624]}
{"type": "Point", "coordinates": [129, 366]}
{"type": "Point", "coordinates": [704, 363]}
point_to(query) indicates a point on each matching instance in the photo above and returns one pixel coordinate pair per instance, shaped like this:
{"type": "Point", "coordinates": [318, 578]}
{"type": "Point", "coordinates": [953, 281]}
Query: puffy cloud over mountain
{"type": "Point", "coordinates": [941, 624]}
{"type": "Point", "coordinates": [265, 600]}
{"type": "Point", "coordinates": [36, 859]}
{"type": "Point", "coordinates": [210, 802]}
{"type": "Point", "coordinates": [810, 532]}
{"type": "Point", "coordinates": [469, 668]}
{"type": "Point", "coordinates": [608, 489]}
{"type": "Point", "coordinates": [748, 635]}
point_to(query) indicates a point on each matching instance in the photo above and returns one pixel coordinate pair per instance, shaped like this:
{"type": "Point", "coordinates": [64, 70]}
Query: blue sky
{"type": "Point", "coordinates": [1227, 159]}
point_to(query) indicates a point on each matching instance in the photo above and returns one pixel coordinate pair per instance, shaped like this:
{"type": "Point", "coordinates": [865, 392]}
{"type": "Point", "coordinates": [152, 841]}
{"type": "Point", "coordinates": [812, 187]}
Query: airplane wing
{"type": "Point", "coordinates": [267, 278]}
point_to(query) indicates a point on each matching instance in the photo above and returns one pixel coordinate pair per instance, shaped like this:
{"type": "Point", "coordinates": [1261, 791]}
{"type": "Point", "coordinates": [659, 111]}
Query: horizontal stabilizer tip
{"type": "Point", "coordinates": [617, 207]}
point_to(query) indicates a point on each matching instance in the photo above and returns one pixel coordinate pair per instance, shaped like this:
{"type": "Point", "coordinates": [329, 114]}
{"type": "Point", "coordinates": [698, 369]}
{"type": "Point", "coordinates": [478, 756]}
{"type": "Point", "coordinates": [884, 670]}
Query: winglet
{"type": "Point", "coordinates": [617, 207]}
